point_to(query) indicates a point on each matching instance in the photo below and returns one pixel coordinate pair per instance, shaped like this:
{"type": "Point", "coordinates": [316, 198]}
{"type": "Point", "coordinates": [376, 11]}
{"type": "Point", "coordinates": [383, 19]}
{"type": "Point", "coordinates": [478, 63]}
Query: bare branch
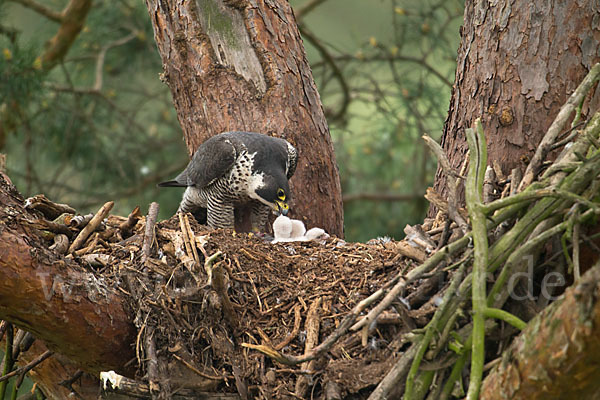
{"type": "Point", "coordinates": [334, 68]}
{"type": "Point", "coordinates": [40, 9]}
{"type": "Point", "coordinates": [149, 231]}
{"type": "Point", "coordinates": [390, 57]}
{"type": "Point", "coordinates": [373, 196]}
{"type": "Point", "coordinates": [307, 7]}
{"type": "Point", "coordinates": [26, 368]}
{"type": "Point", "coordinates": [561, 119]}
{"type": "Point", "coordinates": [102, 55]}
{"type": "Point", "coordinates": [72, 20]}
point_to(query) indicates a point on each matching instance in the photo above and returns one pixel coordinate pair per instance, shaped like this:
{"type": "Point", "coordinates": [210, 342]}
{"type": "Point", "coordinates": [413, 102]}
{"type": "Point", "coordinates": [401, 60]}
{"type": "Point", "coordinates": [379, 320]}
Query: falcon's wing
{"type": "Point", "coordinates": [211, 161]}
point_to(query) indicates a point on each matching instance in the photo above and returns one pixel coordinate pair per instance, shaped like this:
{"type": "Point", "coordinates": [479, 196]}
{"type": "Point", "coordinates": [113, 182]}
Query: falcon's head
{"type": "Point", "coordinates": [272, 190]}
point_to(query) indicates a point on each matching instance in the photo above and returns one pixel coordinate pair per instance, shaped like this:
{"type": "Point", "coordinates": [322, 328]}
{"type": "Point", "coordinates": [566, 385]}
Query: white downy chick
{"type": "Point", "coordinates": [282, 228]}
{"type": "Point", "coordinates": [298, 230]}
{"type": "Point", "coordinates": [316, 234]}
{"type": "Point", "coordinates": [293, 230]}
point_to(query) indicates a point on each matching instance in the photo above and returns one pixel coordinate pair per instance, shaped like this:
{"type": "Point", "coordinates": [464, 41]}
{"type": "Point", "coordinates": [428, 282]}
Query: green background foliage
{"type": "Point", "coordinates": [384, 69]}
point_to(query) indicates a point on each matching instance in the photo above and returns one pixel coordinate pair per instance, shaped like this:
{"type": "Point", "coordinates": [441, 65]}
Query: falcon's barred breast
{"type": "Point", "coordinates": [236, 168]}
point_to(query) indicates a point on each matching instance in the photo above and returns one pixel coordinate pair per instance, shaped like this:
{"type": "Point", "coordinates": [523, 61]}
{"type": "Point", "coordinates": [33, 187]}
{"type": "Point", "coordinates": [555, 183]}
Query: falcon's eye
{"type": "Point", "coordinates": [280, 194]}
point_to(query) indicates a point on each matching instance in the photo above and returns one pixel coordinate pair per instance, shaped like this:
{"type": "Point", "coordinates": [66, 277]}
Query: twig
{"type": "Point", "coordinates": [260, 306]}
{"type": "Point", "coordinates": [473, 192]}
{"type": "Point", "coordinates": [312, 326]}
{"type": "Point", "coordinates": [517, 256]}
{"type": "Point", "coordinates": [390, 381]}
{"type": "Point", "coordinates": [191, 238]}
{"type": "Point", "coordinates": [575, 240]}
{"type": "Point", "coordinates": [561, 119]}
{"type": "Point", "coordinates": [8, 358]}
{"type": "Point", "coordinates": [570, 159]}
{"type": "Point", "coordinates": [98, 259]}
{"type": "Point", "coordinates": [350, 318]}
{"type": "Point", "coordinates": [389, 298]}
{"type": "Point", "coordinates": [455, 374]}
{"type": "Point", "coordinates": [50, 209]}
{"type": "Point", "coordinates": [488, 185]}
{"type": "Point", "coordinates": [438, 201]}
{"type": "Point", "coordinates": [427, 266]}
{"type": "Point", "coordinates": [218, 284]}
{"type": "Point", "coordinates": [307, 7]}
{"type": "Point", "coordinates": [417, 235]}
{"type": "Point", "coordinates": [570, 135]}
{"type": "Point", "coordinates": [102, 55]}
{"type": "Point", "coordinates": [91, 227]}
{"type": "Point", "coordinates": [391, 197]}
{"type": "Point", "coordinates": [544, 208]}
{"type": "Point", "coordinates": [408, 250]}
{"type": "Point", "coordinates": [134, 389]}
{"type": "Point", "coordinates": [41, 9]}
{"type": "Point", "coordinates": [151, 362]}
{"type": "Point", "coordinates": [515, 180]}
{"type": "Point", "coordinates": [577, 117]}
{"type": "Point", "coordinates": [190, 243]}
{"type": "Point", "coordinates": [337, 73]}
{"type": "Point", "coordinates": [68, 383]}
{"type": "Point", "coordinates": [431, 329]}
{"type": "Point", "coordinates": [208, 266]}
{"type": "Point", "coordinates": [331, 339]}
{"type": "Point", "coordinates": [488, 209]}
{"type": "Point", "coordinates": [295, 329]}
{"type": "Point", "coordinates": [445, 236]}
{"type": "Point", "coordinates": [451, 183]}
{"type": "Point", "coordinates": [196, 370]}
{"type": "Point", "coordinates": [28, 367]}
{"type": "Point", "coordinates": [240, 382]}
{"type": "Point", "coordinates": [18, 340]}
{"type": "Point", "coordinates": [78, 221]}
{"type": "Point", "coordinates": [43, 224]}
{"type": "Point", "coordinates": [90, 247]}
{"type": "Point", "coordinates": [448, 327]}
{"type": "Point", "coordinates": [126, 227]}
{"type": "Point", "coordinates": [61, 244]}
{"type": "Point", "coordinates": [507, 317]}
{"type": "Point", "coordinates": [149, 231]}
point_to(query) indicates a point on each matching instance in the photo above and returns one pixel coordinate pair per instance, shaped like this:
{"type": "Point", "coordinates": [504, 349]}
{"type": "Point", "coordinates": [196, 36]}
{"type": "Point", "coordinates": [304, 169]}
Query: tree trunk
{"type": "Point", "coordinates": [241, 65]}
{"type": "Point", "coordinates": [518, 61]}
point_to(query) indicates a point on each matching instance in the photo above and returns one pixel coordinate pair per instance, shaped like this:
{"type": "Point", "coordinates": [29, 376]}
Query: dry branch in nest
{"type": "Point", "coordinates": [221, 315]}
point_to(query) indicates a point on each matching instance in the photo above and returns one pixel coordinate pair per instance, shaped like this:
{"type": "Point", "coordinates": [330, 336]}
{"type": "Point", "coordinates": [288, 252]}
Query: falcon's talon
{"type": "Point", "coordinates": [235, 168]}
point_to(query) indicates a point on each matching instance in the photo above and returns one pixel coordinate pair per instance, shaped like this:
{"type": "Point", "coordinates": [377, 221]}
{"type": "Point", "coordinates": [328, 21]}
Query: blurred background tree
{"type": "Point", "coordinates": [98, 124]}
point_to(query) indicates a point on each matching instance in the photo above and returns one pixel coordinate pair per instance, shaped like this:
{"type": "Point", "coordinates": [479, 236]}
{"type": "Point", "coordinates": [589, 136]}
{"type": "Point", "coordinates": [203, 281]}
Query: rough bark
{"type": "Point", "coordinates": [56, 299]}
{"type": "Point", "coordinates": [241, 65]}
{"type": "Point", "coordinates": [517, 63]}
{"type": "Point", "coordinates": [556, 356]}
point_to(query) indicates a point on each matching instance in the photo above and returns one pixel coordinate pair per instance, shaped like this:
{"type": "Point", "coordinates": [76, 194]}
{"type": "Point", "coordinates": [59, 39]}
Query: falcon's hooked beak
{"type": "Point", "coordinates": [282, 207]}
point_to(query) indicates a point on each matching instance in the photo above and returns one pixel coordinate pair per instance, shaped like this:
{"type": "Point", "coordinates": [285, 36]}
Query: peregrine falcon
{"type": "Point", "coordinates": [237, 168]}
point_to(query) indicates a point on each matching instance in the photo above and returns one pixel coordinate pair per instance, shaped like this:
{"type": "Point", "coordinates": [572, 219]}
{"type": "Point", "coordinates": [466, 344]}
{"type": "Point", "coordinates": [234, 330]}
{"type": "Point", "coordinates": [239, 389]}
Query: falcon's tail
{"type": "Point", "coordinates": [172, 183]}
